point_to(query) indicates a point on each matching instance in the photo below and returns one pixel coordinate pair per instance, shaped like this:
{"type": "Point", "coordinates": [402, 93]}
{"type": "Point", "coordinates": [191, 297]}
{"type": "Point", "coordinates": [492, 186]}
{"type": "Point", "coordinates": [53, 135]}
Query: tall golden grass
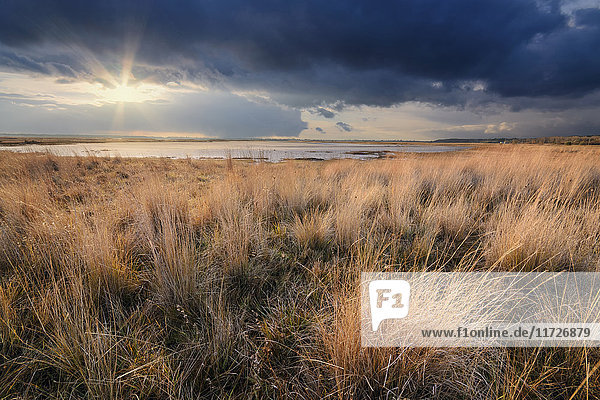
{"type": "Point", "coordinates": [165, 279]}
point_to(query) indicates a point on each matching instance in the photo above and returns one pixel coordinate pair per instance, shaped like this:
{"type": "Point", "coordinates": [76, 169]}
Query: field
{"type": "Point", "coordinates": [168, 279]}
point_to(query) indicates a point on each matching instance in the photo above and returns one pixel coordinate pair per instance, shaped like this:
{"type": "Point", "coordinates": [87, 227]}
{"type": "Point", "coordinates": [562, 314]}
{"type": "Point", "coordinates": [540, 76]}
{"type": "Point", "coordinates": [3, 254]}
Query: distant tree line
{"type": "Point", "coordinates": [566, 140]}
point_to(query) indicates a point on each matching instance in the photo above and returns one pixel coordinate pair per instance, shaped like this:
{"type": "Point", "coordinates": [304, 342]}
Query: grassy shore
{"type": "Point", "coordinates": [165, 279]}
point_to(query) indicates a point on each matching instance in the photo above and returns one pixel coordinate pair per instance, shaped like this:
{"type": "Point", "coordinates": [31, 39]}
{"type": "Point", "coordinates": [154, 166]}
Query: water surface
{"type": "Point", "coordinates": [273, 151]}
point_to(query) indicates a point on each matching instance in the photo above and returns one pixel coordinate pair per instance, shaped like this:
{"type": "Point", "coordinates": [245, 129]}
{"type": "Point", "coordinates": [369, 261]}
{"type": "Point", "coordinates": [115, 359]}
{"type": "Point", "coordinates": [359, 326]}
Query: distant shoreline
{"type": "Point", "coordinates": [22, 140]}
{"type": "Point", "coordinates": [269, 150]}
{"type": "Point", "coordinates": [62, 140]}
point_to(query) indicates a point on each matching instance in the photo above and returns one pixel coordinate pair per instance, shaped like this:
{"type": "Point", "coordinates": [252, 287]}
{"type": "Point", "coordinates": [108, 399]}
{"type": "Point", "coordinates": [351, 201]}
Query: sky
{"type": "Point", "coordinates": [330, 70]}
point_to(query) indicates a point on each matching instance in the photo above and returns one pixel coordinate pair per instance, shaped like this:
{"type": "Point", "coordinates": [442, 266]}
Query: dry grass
{"type": "Point", "coordinates": [152, 278]}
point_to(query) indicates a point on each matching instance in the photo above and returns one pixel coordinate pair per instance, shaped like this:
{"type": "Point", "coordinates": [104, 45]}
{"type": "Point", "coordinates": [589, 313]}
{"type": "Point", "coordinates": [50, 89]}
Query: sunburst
{"type": "Point", "coordinates": [123, 93]}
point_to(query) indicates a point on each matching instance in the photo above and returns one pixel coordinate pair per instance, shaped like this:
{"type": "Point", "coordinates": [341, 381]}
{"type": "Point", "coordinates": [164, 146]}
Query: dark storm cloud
{"type": "Point", "coordinates": [562, 63]}
{"type": "Point", "coordinates": [587, 17]}
{"type": "Point", "coordinates": [342, 126]}
{"type": "Point", "coordinates": [323, 112]}
{"type": "Point", "coordinates": [313, 53]}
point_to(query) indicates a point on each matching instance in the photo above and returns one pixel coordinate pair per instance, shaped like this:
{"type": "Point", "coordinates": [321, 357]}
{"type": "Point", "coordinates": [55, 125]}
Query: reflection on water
{"type": "Point", "coordinates": [268, 150]}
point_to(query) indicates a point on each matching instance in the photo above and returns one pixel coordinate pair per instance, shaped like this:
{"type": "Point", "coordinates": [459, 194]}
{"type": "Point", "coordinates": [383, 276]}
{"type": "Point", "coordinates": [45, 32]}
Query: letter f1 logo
{"type": "Point", "coordinates": [389, 300]}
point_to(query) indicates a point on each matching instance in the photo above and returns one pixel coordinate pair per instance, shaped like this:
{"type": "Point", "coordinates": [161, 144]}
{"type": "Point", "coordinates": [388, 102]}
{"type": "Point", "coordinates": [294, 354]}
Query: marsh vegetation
{"type": "Point", "coordinates": [163, 279]}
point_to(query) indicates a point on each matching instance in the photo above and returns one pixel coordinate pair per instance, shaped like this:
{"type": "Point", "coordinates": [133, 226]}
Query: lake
{"type": "Point", "coordinates": [273, 151]}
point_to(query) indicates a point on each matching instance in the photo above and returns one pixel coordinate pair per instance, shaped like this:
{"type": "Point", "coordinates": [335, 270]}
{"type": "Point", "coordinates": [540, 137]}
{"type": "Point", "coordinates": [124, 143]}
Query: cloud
{"type": "Point", "coordinates": [503, 128]}
{"type": "Point", "coordinates": [319, 129]}
{"type": "Point", "coordinates": [343, 126]}
{"type": "Point", "coordinates": [214, 114]}
{"type": "Point", "coordinates": [524, 124]}
{"type": "Point", "coordinates": [325, 113]}
{"type": "Point", "coordinates": [587, 17]}
{"type": "Point", "coordinates": [306, 53]}
{"type": "Point", "coordinates": [564, 62]}
{"type": "Point", "coordinates": [487, 57]}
